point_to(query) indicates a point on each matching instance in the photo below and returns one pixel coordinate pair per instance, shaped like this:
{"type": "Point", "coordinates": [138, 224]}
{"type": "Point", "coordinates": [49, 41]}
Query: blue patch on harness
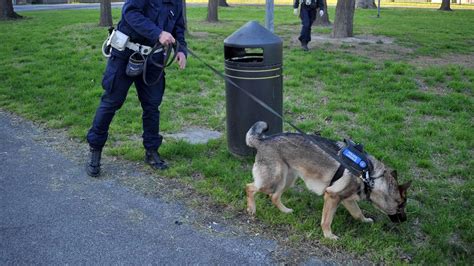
{"type": "Point", "coordinates": [349, 154]}
{"type": "Point", "coordinates": [355, 158]}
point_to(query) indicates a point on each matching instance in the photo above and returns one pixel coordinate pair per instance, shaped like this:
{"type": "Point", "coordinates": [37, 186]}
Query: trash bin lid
{"type": "Point", "coordinates": [252, 35]}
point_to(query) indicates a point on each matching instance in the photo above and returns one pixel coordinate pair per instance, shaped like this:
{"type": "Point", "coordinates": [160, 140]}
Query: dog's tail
{"type": "Point", "coordinates": [255, 133]}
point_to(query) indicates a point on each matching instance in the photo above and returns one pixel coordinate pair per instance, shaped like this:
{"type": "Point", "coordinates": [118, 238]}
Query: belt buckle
{"type": "Point", "coordinates": [144, 50]}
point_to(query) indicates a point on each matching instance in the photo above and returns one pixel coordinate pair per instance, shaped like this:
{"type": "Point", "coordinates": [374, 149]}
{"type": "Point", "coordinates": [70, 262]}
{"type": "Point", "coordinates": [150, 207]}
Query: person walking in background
{"type": "Point", "coordinates": [308, 10]}
{"type": "Point", "coordinates": [146, 23]}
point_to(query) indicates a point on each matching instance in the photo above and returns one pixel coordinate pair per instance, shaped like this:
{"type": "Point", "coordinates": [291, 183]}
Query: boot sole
{"type": "Point", "coordinates": [89, 173]}
{"type": "Point", "coordinates": [154, 166]}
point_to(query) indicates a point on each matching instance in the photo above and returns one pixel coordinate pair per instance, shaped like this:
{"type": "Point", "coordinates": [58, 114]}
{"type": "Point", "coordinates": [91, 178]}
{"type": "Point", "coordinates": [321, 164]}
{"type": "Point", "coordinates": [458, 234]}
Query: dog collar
{"type": "Point", "coordinates": [367, 190]}
{"type": "Point", "coordinates": [367, 180]}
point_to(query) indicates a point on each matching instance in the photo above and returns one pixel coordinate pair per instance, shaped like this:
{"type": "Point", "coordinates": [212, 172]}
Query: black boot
{"type": "Point", "coordinates": [153, 158]}
{"type": "Point", "coordinates": [304, 46]}
{"type": "Point", "coordinates": [93, 166]}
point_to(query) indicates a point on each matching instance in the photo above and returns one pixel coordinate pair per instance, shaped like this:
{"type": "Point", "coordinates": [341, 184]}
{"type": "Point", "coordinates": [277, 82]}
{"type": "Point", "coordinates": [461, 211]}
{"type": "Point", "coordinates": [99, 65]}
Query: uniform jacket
{"type": "Point", "coordinates": [314, 4]}
{"type": "Point", "coordinates": [144, 20]}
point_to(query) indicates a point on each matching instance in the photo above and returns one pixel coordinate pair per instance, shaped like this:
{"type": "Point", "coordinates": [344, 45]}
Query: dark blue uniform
{"type": "Point", "coordinates": [307, 15]}
{"type": "Point", "coordinates": [143, 21]}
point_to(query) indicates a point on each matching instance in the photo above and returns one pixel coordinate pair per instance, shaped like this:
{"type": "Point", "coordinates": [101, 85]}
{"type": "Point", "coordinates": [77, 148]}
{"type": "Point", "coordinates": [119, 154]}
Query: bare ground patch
{"type": "Point", "coordinates": [465, 60]}
{"type": "Point", "coordinates": [199, 34]}
{"type": "Point", "coordinates": [378, 48]}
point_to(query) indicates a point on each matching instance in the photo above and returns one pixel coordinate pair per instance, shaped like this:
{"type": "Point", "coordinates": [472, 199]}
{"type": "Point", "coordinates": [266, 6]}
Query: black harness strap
{"type": "Point", "coordinates": [367, 190]}
{"type": "Point", "coordinates": [338, 174]}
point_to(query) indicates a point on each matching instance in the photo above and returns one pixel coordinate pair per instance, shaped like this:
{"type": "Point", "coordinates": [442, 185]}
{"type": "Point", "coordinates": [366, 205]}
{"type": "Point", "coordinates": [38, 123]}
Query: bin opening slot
{"type": "Point", "coordinates": [245, 55]}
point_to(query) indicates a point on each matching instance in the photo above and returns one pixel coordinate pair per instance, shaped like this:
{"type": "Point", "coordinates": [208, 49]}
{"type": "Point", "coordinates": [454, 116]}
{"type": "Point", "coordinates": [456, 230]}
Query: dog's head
{"type": "Point", "coordinates": [390, 197]}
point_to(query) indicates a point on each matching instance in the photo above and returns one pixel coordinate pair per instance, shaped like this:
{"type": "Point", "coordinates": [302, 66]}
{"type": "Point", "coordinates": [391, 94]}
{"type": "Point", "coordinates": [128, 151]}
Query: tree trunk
{"type": "Point", "coordinates": [185, 18]}
{"type": "Point", "coordinates": [105, 13]}
{"type": "Point", "coordinates": [343, 23]}
{"type": "Point", "coordinates": [223, 3]}
{"type": "Point", "coordinates": [212, 15]}
{"type": "Point", "coordinates": [6, 10]}
{"type": "Point", "coordinates": [366, 4]}
{"type": "Point", "coordinates": [446, 5]}
{"type": "Point", "coordinates": [324, 20]}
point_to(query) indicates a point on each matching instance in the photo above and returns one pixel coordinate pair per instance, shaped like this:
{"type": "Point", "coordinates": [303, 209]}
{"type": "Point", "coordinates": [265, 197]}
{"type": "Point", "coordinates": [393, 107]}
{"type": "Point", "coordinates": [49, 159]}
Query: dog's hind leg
{"type": "Point", "coordinates": [276, 199]}
{"type": "Point", "coordinates": [261, 181]}
{"type": "Point", "coordinates": [288, 180]}
{"type": "Point", "coordinates": [251, 189]}
{"type": "Point", "coordinates": [353, 208]}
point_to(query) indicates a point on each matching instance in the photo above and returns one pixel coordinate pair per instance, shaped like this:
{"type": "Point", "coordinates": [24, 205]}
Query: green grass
{"type": "Point", "coordinates": [416, 118]}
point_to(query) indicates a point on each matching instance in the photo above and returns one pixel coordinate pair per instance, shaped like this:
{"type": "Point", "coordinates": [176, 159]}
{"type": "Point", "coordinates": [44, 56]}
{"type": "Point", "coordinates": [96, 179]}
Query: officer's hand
{"type": "Point", "coordinates": [181, 60]}
{"type": "Point", "coordinates": [166, 38]}
{"type": "Point", "coordinates": [321, 12]}
{"type": "Point", "coordinates": [295, 11]}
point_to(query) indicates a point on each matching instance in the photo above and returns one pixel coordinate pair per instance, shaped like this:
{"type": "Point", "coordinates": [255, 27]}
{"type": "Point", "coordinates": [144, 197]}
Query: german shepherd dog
{"type": "Point", "coordinates": [284, 157]}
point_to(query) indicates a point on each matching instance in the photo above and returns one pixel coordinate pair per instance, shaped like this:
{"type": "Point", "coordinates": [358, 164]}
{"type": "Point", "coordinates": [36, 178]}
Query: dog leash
{"type": "Point", "coordinates": [335, 156]}
{"type": "Point", "coordinates": [170, 51]}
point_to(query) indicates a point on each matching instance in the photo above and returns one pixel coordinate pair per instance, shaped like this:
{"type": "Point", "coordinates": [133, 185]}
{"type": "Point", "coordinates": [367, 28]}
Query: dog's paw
{"type": "Point", "coordinates": [251, 211]}
{"type": "Point", "coordinates": [287, 210]}
{"type": "Point", "coordinates": [331, 236]}
{"type": "Point", "coordinates": [367, 220]}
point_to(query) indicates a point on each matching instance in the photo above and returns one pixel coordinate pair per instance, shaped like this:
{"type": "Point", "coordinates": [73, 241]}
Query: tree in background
{"type": "Point", "coordinates": [446, 5]}
{"type": "Point", "coordinates": [223, 3]}
{"type": "Point", "coordinates": [185, 18]}
{"type": "Point", "coordinates": [212, 6]}
{"type": "Point", "coordinates": [343, 23]}
{"type": "Point", "coordinates": [324, 20]}
{"type": "Point", "coordinates": [366, 4]}
{"type": "Point", "coordinates": [105, 13]}
{"type": "Point", "coordinates": [6, 10]}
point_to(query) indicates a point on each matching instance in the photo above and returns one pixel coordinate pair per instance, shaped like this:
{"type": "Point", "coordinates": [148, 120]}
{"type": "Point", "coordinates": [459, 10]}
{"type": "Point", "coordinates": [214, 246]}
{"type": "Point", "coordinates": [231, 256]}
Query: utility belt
{"type": "Point", "coordinates": [120, 41]}
{"type": "Point", "coordinates": [310, 3]}
{"type": "Point", "coordinates": [137, 62]}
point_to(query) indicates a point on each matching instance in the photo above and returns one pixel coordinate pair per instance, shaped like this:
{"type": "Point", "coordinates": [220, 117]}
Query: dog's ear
{"type": "Point", "coordinates": [394, 174]}
{"type": "Point", "coordinates": [403, 189]}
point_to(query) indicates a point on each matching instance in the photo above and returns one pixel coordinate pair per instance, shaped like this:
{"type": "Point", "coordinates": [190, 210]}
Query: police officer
{"type": "Point", "coordinates": [146, 22]}
{"type": "Point", "coordinates": [308, 15]}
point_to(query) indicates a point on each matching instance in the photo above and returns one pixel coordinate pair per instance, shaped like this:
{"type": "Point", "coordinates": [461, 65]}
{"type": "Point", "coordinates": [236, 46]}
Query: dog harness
{"type": "Point", "coordinates": [354, 156]}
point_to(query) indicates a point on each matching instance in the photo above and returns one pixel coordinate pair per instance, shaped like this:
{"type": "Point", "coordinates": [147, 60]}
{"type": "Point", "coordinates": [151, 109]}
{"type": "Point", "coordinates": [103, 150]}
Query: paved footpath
{"type": "Point", "coordinates": [51, 212]}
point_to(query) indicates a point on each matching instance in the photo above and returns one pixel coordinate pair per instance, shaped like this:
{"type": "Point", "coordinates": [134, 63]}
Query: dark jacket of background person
{"type": "Point", "coordinates": [314, 4]}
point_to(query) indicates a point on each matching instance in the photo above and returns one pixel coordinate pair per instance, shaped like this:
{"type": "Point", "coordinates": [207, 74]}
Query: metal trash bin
{"type": "Point", "coordinates": [253, 60]}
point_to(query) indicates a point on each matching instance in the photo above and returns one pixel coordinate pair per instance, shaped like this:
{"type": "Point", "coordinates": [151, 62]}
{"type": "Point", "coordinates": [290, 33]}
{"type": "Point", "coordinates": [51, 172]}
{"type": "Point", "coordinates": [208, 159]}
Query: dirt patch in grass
{"type": "Point", "coordinates": [381, 48]}
{"type": "Point", "coordinates": [199, 34]}
{"type": "Point", "coordinates": [465, 60]}
{"type": "Point", "coordinates": [358, 39]}
{"type": "Point", "coordinates": [378, 48]}
{"type": "Point", "coordinates": [421, 84]}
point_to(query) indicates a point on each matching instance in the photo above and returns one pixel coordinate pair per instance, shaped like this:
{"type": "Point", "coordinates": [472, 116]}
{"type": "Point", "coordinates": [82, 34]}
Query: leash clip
{"type": "Point", "coordinates": [365, 176]}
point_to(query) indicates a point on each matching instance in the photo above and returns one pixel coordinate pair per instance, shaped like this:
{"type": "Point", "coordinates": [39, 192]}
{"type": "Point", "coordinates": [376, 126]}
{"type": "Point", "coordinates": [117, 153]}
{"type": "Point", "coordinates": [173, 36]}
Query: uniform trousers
{"type": "Point", "coordinates": [307, 15]}
{"type": "Point", "coordinates": [116, 85]}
